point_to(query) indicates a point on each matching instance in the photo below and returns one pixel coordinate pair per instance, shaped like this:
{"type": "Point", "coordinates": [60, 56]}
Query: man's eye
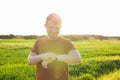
{"type": "Point", "coordinates": [57, 28]}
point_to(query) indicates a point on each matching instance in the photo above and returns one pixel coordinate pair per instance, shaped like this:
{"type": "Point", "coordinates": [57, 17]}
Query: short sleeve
{"type": "Point", "coordinates": [70, 45]}
{"type": "Point", "coordinates": [35, 47]}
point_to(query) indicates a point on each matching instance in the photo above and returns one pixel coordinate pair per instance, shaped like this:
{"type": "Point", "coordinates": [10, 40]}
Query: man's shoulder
{"type": "Point", "coordinates": [43, 38]}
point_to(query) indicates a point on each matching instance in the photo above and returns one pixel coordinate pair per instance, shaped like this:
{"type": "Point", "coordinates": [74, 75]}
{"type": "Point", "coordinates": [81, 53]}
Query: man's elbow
{"type": "Point", "coordinates": [30, 62]}
{"type": "Point", "coordinates": [77, 60]}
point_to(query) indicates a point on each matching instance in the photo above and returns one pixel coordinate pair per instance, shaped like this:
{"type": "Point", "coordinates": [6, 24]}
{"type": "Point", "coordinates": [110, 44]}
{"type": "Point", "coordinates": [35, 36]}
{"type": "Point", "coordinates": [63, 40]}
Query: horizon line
{"type": "Point", "coordinates": [62, 34]}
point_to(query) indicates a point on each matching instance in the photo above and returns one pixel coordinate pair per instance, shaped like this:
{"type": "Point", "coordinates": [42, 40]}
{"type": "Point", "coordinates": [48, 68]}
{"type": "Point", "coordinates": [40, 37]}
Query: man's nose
{"type": "Point", "coordinates": [53, 30]}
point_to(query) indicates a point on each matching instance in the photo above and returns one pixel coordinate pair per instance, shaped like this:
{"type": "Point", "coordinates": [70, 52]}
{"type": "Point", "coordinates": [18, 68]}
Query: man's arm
{"type": "Point", "coordinates": [33, 58]}
{"type": "Point", "coordinates": [72, 57]}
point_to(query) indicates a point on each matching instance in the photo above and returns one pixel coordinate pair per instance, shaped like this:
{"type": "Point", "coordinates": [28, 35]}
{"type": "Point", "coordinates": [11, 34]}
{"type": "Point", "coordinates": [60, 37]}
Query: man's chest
{"type": "Point", "coordinates": [55, 47]}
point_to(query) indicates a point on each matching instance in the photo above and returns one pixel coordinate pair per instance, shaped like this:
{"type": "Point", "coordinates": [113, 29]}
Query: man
{"type": "Point", "coordinates": [52, 53]}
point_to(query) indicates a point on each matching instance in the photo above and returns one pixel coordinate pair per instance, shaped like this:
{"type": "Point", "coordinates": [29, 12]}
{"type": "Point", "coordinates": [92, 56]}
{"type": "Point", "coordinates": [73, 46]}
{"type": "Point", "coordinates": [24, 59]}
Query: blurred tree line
{"type": "Point", "coordinates": [71, 37]}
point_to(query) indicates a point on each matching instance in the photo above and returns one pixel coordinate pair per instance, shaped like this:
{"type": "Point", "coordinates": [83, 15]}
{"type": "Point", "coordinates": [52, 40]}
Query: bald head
{"type": "Point", "coordinates": [55, 18]}
{"type": "Point", "coordinates": [53, 25]}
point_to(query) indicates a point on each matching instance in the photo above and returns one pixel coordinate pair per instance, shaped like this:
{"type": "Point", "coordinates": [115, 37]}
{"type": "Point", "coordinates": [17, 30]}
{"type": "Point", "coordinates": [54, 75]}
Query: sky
{"type": "Point", "coordinates": [79, 17]}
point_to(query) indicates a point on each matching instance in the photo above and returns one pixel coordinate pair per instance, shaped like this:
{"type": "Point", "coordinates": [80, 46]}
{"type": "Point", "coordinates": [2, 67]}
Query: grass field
{"type": "Point", "coordinates": [100, 60]}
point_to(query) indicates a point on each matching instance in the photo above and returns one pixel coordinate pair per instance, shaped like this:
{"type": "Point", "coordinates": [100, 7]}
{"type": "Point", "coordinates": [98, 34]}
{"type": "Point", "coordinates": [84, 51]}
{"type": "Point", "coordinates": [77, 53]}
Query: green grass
{"type": "Point", "coordinates": [99, 59]}
{"type": "Point", "coordinates": [111, 76]}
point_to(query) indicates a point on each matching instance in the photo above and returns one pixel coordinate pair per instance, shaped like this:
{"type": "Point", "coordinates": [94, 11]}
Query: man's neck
{"type": "Point", "coordinates": [52, 38]}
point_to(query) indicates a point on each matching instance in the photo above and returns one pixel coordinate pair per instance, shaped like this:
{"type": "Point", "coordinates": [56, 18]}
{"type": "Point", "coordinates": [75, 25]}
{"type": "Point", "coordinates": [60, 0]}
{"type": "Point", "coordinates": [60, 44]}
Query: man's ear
{"type": "Point", "coordinates": [45, 25]}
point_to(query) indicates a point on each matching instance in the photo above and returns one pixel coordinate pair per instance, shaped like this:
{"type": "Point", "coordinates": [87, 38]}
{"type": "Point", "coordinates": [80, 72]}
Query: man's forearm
{"type": "Point", "coordinates": [71, 58]}
{"type": "Point", "coordinates": [33, 59]}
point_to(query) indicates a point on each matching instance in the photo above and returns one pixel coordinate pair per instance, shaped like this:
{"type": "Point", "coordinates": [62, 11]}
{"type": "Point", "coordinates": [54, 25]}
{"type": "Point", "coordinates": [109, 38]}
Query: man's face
{"type": "Point", "coordinates": [53, 29]}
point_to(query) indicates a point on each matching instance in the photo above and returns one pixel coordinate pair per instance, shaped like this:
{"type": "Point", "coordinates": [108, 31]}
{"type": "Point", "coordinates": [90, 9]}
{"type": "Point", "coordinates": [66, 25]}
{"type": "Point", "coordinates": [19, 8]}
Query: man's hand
{"type": "Point", "coordinates": [44, 64]}
{"type": "Point", "coordinates": [47, 58]}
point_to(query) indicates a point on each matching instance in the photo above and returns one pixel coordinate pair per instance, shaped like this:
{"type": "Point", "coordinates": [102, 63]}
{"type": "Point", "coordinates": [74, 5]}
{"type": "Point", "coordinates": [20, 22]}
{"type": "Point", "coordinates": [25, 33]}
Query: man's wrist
{"type": "Point", "coordinates": [58, 58]}
{"type": "Point", "coordinates": [40, 57]}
